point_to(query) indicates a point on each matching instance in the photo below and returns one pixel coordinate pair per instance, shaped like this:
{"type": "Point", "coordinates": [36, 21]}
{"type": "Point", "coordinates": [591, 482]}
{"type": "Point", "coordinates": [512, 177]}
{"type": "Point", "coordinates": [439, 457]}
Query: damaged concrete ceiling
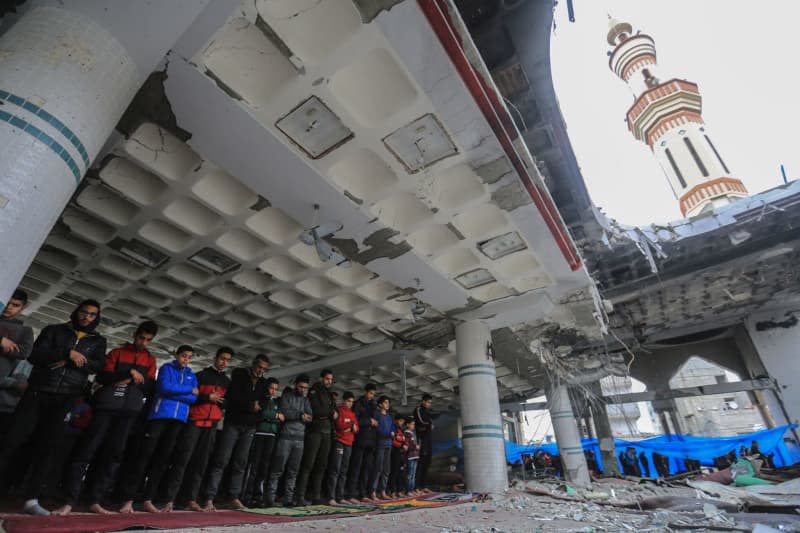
{"type": "Point", "coordinates": [262, 111]}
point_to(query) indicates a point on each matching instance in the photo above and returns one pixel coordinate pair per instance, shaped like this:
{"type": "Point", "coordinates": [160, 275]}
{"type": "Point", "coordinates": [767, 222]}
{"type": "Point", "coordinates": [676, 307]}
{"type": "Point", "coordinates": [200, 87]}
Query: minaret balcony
{"type": "Point", "coordinates": [675, 100]}
{"type": "Point", "coordinates": [691, 201]}
{"type": "Point", "coordinates": [633, 50]}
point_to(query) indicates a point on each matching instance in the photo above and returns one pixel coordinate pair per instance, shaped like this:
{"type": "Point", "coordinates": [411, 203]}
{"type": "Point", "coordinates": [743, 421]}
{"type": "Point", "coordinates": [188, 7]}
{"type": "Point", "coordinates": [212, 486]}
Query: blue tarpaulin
{"type": "Point", "coordinates": [680, 447]}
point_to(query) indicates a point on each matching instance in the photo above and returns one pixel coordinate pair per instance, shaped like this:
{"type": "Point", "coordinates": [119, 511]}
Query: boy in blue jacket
{"type": "Point", "coordinates": [176, 391]}
{"type": "Point", "coordinates": [385, 428]}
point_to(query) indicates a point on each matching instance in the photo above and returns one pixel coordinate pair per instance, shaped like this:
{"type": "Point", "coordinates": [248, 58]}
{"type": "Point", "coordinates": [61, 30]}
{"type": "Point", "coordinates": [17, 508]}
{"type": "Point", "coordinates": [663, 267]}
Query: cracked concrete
{"type": "Point", "coordinates": [511, 196]}
{"type": "Point", "coordinates": [151, 105]}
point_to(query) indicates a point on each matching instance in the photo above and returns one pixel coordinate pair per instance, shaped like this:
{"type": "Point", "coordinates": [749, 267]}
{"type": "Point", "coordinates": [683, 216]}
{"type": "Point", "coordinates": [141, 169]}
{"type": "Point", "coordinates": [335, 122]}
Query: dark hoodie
{"type": "Point", "coordinates": [11, 373]}
{"type": "Point", "coordinates": [53, 345]}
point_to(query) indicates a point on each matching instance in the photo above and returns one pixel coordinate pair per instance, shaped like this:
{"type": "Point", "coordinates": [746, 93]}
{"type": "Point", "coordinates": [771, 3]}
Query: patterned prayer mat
{"type": "Point", "coordinates": [406, 504]}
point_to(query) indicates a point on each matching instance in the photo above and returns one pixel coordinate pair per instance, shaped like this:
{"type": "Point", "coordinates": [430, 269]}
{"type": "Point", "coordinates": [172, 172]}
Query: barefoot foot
{"type": "Point", "coordinates": [64, 510]}
{"type": "Point", "coordinates": [96, 508]}
{"type": "Point", "coordinates": [209, 508]}
{"type": "Point", "coordinates": [168, 508]}
{"type": "Point", "coordinates": [194, 506]}
{"type": "Point", "coordinates": [236, 504]}
{"type": "Point", "coordinates": [148, 506]}
{"type": "Point", "coordinates": [127, 507]}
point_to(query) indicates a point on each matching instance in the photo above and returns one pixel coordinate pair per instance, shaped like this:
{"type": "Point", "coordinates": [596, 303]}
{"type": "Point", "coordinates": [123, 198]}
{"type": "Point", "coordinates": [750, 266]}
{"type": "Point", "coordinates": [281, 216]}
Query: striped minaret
{"type": "Point", "coordinates": [666, 115]}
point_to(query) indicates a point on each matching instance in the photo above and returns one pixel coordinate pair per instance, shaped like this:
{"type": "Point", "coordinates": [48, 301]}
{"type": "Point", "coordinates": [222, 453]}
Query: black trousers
{"type": "Point", "coordinates": [108, 433]}
{"type": "Point", "coordinates": [43, 413]}
{"type": "Point", "coordinates": [397, 471]}
{"type": "Point", "coordinates": [362, 463]}
{"type": "Point", "coordinates": [198, 464]}
{"type": "Point", "coordinates": [159, 441]}
{"type": "Point", "coordinates": [258, 466]}
{"type": "Point", "coordinates": [315, 463]}
{"type": "Point", "coordinates": [338, 465]}
{"type": "Point", "coordinates": [192, 447]}
{"type": "Point", "coordinates": [422, 471]}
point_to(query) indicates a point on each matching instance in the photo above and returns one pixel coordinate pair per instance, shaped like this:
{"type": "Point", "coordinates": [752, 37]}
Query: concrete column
{"type": "Point", "coordinates": [64, 83]}
{"type": "Point", "coordinates": [605, 437]}
{"type": "Point", "coordinates": [482, 424]}
{"type": "Point", "coordinates": [568, 438]}
{"type": "Point", "coordinates": [769, 402]}
{"type": "Point", "coordinates": [665, 426]}
{"type": "Point", "coordinates": [676, 421]}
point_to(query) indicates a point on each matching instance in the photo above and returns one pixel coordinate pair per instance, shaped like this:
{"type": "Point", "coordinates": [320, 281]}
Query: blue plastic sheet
{"type": "Point", "coordinates": [680, 447]}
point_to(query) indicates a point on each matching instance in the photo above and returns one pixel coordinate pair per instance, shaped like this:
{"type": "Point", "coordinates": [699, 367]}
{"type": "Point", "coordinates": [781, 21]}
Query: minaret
{"type": "Point", "coordinates": [666, 115]}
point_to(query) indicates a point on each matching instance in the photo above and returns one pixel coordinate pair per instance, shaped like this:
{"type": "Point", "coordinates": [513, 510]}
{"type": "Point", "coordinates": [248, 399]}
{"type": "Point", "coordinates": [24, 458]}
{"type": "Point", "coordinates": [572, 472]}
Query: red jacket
{"type": "Point", "coordinates": [347, 421]}
{"type": "Point", "coordinates": [117, 367]}
{"type": "Point", "coordinates": [205, 413]}
{"type": "Point", "coordinates": [399, 439]}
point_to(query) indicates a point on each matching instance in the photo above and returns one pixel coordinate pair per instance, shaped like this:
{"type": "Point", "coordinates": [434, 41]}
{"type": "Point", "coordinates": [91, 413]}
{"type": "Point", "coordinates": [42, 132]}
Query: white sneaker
{"type": "Point", "coordinates": [33, 507]}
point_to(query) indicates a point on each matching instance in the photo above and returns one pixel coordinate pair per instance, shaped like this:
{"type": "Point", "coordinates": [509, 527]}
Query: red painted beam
{"type": "Point", "coordinates": [500, 121]}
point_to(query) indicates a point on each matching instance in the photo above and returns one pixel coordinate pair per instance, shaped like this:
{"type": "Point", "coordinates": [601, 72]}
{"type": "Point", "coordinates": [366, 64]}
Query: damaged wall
{"type": "Point", "coordinates": [776, 336]}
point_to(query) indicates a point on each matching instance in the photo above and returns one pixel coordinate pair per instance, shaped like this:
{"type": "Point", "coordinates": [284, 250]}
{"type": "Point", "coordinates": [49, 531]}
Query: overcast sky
{"type": "Point", "coordinates": [740, 53]}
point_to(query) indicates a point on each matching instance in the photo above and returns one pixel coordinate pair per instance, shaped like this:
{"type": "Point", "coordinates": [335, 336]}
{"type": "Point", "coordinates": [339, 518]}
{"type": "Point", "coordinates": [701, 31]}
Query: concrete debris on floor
{"type": "Point", "coordinates": [612, 505]}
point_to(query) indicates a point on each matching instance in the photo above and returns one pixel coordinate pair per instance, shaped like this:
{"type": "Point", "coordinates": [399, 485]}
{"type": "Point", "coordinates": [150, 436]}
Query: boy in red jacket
{"type": "Point", "coordinates": [346, 428]}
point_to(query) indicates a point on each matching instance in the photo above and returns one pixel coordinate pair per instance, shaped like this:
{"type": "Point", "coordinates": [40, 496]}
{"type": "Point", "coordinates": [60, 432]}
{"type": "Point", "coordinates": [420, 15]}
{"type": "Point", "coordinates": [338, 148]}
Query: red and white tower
{"type": "Point", "coordinates": [666, 115]}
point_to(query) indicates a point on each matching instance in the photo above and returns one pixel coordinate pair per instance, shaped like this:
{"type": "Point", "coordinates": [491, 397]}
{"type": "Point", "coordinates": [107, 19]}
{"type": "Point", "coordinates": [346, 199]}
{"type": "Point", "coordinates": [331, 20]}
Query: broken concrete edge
{"type": "Point", "coordinates": [150, 104]}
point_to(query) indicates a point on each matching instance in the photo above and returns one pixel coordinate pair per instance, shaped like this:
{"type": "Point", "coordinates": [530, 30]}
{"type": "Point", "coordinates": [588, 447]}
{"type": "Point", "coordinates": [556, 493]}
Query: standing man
{"type": "Point", "coordinates": [346, 429]}
{"type": "Point", "coordinates": [128, 377]}
{"type": "Point", "coordinates": [176, 391]}
{"type": "Point", "coordinates": [263, 445]}
{"type": "Point", "coordinates": [362, 460]}
{"type": "Point", "coordinates": [289, 451]}
{"type": "Point", "coordinates": [319, 438]}
{"type": "Point", "coordinates": [248, 389]}
{"type": "Point", "coordinates": [63, 356]}
{"type": "Point", "coordinates": [16, 343]}
{"type": "Point", "coordinates": [424, 424]}
{"type": "Point", "coordinates": [383, 450]}
{"type": "Point", "coordinates": [197, 437]}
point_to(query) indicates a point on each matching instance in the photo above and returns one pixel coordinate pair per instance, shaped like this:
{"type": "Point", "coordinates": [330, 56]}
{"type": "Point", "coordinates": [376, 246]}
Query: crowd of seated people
{"type": "Point", "coordinates": [84, 424]}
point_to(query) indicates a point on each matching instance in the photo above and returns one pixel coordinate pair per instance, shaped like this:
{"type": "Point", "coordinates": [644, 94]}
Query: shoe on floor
{"type": "Point", "coordinates": [302, 502]}
{"type": "Point", "coordinates": [33, 507]}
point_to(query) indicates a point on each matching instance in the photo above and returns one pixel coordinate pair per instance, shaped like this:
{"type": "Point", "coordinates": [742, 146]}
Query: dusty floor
{"type": "Point", "coordinates": [517, 511]}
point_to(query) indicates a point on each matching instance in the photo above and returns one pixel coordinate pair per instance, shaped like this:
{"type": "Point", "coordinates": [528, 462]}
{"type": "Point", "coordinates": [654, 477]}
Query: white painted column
{"type": "Point", "coordinates": [482, 424]}
{"type": "Point", "coordinates": [64, 84]}
{"type": "Point", "coordinates": [776, 337]}
{"type": "Point", "coordinates": [568, 437]}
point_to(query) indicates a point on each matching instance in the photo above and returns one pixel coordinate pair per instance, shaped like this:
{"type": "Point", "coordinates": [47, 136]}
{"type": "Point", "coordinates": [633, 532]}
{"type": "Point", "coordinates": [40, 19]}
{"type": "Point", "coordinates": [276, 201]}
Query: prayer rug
{"type": "Point", "coordinates": [86, 523]}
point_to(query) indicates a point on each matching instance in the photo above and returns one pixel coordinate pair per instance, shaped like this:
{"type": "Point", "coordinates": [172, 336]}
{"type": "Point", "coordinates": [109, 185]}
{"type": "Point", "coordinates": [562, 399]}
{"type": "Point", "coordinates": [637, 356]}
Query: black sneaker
{"type": "Point", "coordinates": [302, 502]}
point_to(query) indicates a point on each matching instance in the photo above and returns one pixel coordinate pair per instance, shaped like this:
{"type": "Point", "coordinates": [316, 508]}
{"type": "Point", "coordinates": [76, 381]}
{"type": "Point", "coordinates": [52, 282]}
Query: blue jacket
{"type": "Point", "coordinates": [385, 430]}
{"type": "Point", "coordinates": [173, 392]}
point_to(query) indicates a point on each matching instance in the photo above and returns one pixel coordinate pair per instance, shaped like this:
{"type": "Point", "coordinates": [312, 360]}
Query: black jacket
{"type": "Point", "coordinates": [52, 346]}
{"type": "Point", "coordinates": [242, 394]}
{"type": "Point", "coordinates": [322, 407]}
{"type": "Point", "coordinates": [367, 436]}
{"type": "Point", "coordinates": [424, 426]}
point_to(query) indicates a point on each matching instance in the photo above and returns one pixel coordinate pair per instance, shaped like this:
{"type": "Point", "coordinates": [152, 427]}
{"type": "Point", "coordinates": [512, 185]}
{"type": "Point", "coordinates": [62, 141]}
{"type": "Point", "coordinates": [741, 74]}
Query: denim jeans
{"type": "Point", "coordinates": [411, 471]}
{"type": "Point", "coordinates": [233, 448]}
{"type": "Point", "coordinates": [337, 470]}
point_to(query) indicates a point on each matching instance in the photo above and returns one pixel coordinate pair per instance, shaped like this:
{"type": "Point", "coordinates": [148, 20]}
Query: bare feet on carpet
{"type": "Point", "coordinates": [148, 506]}
{"type": "Point", "coordinates": [99, 509]}
{"type": "Point", "coordinates": [64, 510]}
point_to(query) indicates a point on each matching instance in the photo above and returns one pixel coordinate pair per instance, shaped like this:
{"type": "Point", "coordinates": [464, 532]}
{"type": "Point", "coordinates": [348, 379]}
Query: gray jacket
{"type": "Point", "coordinates": [293, 406]}
{"type": "Point", "coordinates": [14, 369]}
